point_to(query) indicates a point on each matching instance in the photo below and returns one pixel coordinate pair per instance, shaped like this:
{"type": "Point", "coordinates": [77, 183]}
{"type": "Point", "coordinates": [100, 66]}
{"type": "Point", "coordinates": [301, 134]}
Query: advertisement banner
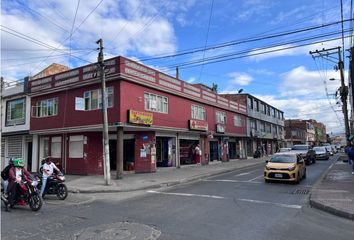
{"type": "Point", "coordinates": [142, 118]}
{"type": "Point", "coordinates": [198, 125]}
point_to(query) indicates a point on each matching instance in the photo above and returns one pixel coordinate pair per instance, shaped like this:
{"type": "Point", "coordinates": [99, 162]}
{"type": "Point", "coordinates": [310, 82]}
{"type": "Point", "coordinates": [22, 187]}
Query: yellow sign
{"type": "Point", "coordinates": [137, 117]}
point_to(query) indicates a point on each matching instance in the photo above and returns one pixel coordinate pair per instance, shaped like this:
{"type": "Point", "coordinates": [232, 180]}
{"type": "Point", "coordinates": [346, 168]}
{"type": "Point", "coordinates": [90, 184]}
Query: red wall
{"type": "Point", "coordinates": [68, 116]}
{"type": "Point", "coordinates": [179, 111]}
{"type": "Point", "coordinates": [144, 164]}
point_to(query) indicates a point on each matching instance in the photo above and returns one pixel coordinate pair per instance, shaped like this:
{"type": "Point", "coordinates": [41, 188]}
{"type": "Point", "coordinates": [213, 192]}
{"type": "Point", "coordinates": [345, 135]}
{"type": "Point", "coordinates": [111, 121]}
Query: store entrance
{"type": "Point", "coordinates": [187, 151]}
{"type": "Point", "coordinates": [164, 152]}
{"type": "Point", "coordinates": [128, 154]}
{"type": "Point", "coordinates": [214, 150]}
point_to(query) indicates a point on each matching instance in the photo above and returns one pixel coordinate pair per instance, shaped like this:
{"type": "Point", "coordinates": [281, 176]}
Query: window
{"type": "Point", "coordinates": [268, 128]}
{"type": "Point", "coordinates": [198, 112]}
{"type": "Point", "coordinates": [273, 112]}
{"type": "Point", "coordinates": [56, 147]}
{"type": "Point", "coordinates": [47, 108]}
{"type": "Point", "coordinates": [15, 114]}
{"type": "Point", "coordinates": [250, 103]}
{"type": "Point", "coordinates": [93, 99]}
{"type": "Point", "coordinates": [221, 117]}
{"type": "Point", "coordinates": [253, 124]}
{"type": "Point", "coordinates": [262, 127]}
{"type": "Point", "coordinates": [256, 105]}
{"type": "Point", "coordinates": [263, 108]}
{"type": "Point", "coordinates": [237, 121]}
{"type": "Point", "coordinates": [156, 103]}
{"type": "Point", "coordinates": [76, 146]}
{"type": "Point", "coordinates": [268, 112]}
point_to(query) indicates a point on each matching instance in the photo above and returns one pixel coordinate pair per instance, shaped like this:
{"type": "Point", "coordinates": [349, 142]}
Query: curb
{"type": "Point", "coordinates": [324, 207]}
{"type": "Point", "coordinates": [164, 184]}
{"type": "Point", "coordinates": [332, 210]}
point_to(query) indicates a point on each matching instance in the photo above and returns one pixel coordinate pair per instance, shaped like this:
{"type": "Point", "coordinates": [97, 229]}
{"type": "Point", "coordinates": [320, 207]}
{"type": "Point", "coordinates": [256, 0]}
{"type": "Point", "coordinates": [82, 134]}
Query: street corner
{"type": "Point", "coordinates": [118, 230]}
{"type": "Point", "coordinates": [72, 199]}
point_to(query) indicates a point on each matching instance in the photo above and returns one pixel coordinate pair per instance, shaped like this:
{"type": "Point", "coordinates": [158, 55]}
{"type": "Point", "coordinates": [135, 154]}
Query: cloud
{"type": "Point", "coordinates": [240, 78]}
{"type": "Point", "coordinates": [261, 71]}
{"type": "Point", "coordinates": [191, 80]}
{"type": "Point", "coordinates": [302, 82]}
{"type": "Point", "coordinates": [128, 27]}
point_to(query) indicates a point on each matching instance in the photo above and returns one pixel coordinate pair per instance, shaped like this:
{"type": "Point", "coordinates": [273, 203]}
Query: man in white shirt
{"type": "Point", "coordinates": [48, 169]}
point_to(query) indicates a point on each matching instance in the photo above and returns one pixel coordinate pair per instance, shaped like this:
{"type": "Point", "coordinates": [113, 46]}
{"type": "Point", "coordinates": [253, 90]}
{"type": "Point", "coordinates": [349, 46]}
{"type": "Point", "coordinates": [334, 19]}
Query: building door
{"type": "Point", "coordinates": [128, 154]}
{"type": "Point", "coordinates": [214, 150]}
{"type": "Point", "coordinates": [29, 156]}
{"type": "Point", "coordinates": [113, 154]}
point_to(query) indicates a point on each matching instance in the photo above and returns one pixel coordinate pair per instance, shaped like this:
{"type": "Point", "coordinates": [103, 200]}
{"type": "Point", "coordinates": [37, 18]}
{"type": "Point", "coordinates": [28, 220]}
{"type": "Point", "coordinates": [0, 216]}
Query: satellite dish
{"type": "Point", "coordinates": [240, 91]}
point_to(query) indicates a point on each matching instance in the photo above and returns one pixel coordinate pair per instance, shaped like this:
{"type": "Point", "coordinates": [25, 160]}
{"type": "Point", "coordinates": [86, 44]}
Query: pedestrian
{"type": "Point", "coordinates": [198, 154]}
{"type": "Point", "coordinates": [5, 176]}
{"type": "Point", "coordinates": [48, 169]}
{"type": "Point", "coordinates": [351, 157]}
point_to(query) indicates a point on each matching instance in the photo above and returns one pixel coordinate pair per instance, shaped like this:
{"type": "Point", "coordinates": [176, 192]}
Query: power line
{"type": "Point", "coordinates": [72, 26]}
{"type": "Point", "coordinates": [245, 40]}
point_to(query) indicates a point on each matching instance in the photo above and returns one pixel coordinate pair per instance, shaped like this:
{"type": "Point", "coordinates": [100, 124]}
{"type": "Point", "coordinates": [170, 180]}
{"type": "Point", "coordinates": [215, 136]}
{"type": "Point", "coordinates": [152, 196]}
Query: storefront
{"type": "Point", "coordinates": [165, 151]}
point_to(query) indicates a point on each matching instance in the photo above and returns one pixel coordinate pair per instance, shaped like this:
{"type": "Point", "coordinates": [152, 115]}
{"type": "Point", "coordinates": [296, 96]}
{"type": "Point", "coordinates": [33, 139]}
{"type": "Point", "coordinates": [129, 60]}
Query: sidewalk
{"type": "Point", "coordinates": [163, 177]}
{"type": "Point", "coordinates": [335, 192]}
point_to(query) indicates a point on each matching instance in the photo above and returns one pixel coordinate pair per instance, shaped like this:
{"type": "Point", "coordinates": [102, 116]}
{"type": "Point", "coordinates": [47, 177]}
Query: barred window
{"type": "Point", "coordinates": [198, 112]}
{"type": "Point", "coordinates": [93, 99]}
{"type": "Point", "coordinates": [156, 103]}
{"type": "Point", "coordinates": [221, 117]}
{"type": "Point", "coordinates": [47, 108]}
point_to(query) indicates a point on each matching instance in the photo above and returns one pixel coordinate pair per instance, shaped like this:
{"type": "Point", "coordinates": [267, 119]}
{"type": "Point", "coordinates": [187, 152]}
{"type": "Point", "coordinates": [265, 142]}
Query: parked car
{"type": "Point", "coordinates": [306, 152]}
{"type": "Point", "coordinates": [335, 150]}
{"type": "Point", "coordinates": [330, 150]}
{"type": "Point", "coordinates": [287, 166]}
{"type": "Point", "coordinates": [321, 153]}
{"type": "Point", "coordinates": [284, 149]}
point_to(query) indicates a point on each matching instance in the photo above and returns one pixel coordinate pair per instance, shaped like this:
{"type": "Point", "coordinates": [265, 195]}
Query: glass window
{"type": "Point", "coordinates": [268, 112]}
{"type": "Point", "coordinates": [47, 108]}
{"type": "Point", "coordinates": [198, 112]}
{"type": "Point", "coordinates": [93, 99]}
{"type": "Point", "coordinates": [76, 146]}
{"type": "Point", "coordinates": [16, 111]}
{"type": "Point", "coordinates": [250, 103]}
{"type": "Point", "coordinates": [56, 147]}
{"type": "Point", "coordinates": [256, 105]}
{"type": "Point", "coordinates": [237, 121]}
{"type": "Point", "coordinates": [262, 126]}
{"type": "Point", "coordinates": [253, 124]}
{"type": "Point", "coordinates": [221, 117]}
{"type": "Point", "coordinates": [155, 103]}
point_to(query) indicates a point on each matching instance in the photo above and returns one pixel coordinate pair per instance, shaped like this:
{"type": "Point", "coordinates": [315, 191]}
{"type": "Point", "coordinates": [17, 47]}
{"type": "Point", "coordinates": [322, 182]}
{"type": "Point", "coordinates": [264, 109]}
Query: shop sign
{"type": "Point", "coordinates": [198, 125]}
{"type": "Point", "coordinates": [220, 128]}
{"type": "Point", "coordinates": [137, 117]}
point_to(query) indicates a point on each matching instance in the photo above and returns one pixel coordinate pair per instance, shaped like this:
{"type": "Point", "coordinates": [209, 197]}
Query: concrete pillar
{"type": "Point", "coordinates": [178, 159]}
{"type": "Point", "coordinates": [120, 152]}
{"type": "Point", "coordinates": [35, 153]}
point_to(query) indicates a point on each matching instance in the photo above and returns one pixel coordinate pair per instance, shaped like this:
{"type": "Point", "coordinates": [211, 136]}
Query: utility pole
{"type": "Point", "coordinates": [106, 159]}
{"type": "Point", "coordinates": [351, 86]}
{"type": "Point", "coordinates": [326, 53]}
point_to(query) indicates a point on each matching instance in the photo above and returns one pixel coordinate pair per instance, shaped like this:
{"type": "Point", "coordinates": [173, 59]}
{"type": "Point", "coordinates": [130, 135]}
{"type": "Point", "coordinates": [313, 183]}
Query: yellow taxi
{"type": "Point", "coordinates": [285, 166]}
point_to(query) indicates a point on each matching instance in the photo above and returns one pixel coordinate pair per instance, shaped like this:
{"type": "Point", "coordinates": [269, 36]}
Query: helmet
{"type": "Point", "coordinates": [18, 162]}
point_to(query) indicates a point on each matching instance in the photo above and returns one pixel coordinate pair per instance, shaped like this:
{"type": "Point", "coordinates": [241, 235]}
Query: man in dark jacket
{"type": "Point", "coordinates": [17, 174]}
{"type": "Point", "coordinates": [5, 176]}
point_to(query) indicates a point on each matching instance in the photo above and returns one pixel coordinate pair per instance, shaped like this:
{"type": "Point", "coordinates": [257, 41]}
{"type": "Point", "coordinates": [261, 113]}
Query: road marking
{"type": "Point", "coordinates": [271, 203]}
{"type": "Point", "coordinates": [255, 178]}
{"type": "Point", "coordinates": [228, 180]}
{"type": "Point", "coordinates": [187, 194]}
{"type": "Point", "coordinates": [245, 173]}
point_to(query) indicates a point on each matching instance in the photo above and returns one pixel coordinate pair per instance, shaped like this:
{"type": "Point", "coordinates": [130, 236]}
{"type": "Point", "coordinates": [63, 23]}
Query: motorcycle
{"type": "Point", "coordinates": [55, 185]}
{"type": "Point", "coordinates": [27, 194]}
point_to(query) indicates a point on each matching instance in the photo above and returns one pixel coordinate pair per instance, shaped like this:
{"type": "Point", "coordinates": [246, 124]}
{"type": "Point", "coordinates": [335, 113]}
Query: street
{"type": "Point", "coordinates": [236, 205]}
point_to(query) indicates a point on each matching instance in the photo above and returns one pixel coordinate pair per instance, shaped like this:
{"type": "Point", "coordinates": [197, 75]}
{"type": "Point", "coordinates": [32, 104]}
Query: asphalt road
{"type": "Point", "coordinates": [236, 205]}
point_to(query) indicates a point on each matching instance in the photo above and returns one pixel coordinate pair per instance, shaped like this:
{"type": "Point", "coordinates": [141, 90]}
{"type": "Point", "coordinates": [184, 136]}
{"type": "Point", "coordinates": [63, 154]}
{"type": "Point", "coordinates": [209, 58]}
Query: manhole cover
{"type": "Point", "coordinates": [301, 191]}
{"type": "Point", "coordinates": [119, 231]}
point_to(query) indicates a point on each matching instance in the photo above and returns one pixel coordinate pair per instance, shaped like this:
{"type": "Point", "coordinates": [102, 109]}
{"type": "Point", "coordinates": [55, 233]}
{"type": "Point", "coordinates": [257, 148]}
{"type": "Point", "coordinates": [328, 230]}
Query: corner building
{"type": "Point", "coordinates": [155, 120]}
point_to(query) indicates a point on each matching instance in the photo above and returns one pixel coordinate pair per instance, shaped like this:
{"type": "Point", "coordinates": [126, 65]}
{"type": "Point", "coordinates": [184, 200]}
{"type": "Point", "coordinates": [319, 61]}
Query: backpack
{"type": "Point", "coordinates": [5, 172]}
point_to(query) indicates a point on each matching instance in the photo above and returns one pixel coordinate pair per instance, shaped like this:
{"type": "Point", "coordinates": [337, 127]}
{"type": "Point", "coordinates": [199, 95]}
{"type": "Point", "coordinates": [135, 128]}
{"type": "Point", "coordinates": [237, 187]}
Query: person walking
{"type": "Point", "coordinates": [351, 157]}
{"type": "Point", "coordinates": [198, 154]}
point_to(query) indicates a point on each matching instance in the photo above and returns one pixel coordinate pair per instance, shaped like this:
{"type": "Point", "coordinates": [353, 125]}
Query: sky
{"type": "Point", "coordinates": [259, 46]}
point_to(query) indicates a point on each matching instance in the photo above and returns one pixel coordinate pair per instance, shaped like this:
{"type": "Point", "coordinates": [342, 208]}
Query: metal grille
{"type": "Point", "coordinates": [301, 191]}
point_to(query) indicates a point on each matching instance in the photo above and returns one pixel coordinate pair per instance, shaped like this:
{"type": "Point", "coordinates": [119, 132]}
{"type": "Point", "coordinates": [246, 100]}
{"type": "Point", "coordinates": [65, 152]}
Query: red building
{"type": "Point", "coordinates": [158, 119]}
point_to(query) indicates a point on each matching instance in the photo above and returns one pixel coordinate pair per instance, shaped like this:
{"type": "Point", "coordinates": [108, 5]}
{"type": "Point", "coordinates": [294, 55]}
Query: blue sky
{"type": "Point", "coordinates": [142, 29]}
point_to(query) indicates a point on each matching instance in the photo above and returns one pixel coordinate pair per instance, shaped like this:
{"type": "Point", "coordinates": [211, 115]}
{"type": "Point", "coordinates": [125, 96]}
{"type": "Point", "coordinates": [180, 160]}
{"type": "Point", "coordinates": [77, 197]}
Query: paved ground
{"type": "Point", "coordinates": [234, 205]}
{"type": "Point", "coordinates": [163, 177]}
{"type": "Point", "coordinates": [335, 193]}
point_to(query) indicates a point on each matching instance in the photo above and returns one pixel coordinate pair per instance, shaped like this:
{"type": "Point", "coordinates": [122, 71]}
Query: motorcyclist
{"type": "Point", "coordinates": [5, 177]}
{"type": "Point", "coordinates": [48, 169]}
{"type": "Point", "coordinates": [17, 174]}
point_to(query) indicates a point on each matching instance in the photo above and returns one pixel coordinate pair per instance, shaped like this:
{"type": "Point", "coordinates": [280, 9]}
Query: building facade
{"type": "Point", "coordinates": [265, 124]}
{"type": "Point", "coordinates": [155, 120]}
